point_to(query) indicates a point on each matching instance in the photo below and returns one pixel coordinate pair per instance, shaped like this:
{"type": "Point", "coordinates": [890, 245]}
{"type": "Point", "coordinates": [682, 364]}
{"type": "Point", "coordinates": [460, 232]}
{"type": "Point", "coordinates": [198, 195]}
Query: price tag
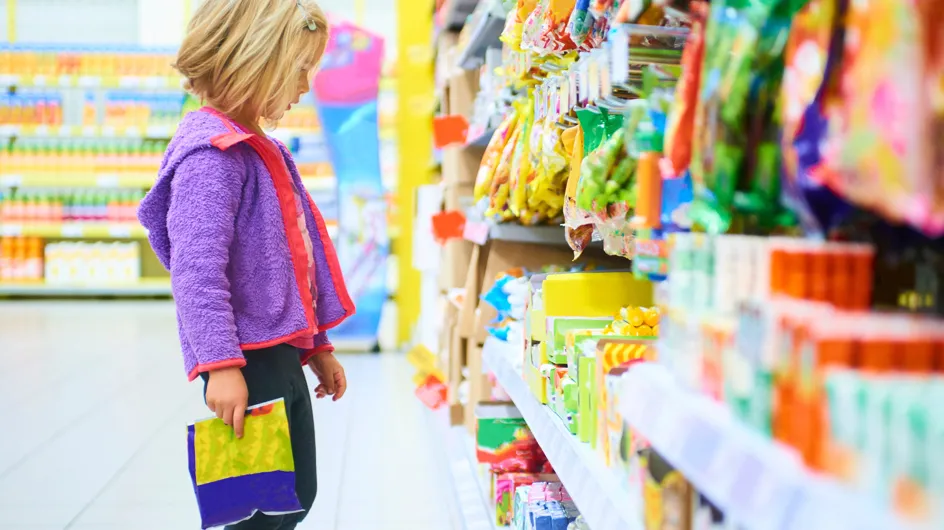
{"type": "Point", "coordinates": [475, 232]}
{"type": "Point", "coordinates": [72, 230]}
{"type": "Point", "coordinates": [128, 81]}
{"type": "Point", "coordinates": [89, 81]}
{"type": "Point", "coordinates": [133, 132]}
{"type": "Point", "coordinates": [9, 80]}
{"type": "Point", "coordinates": [109, 131]}
{"type": "Point", "coordinates": [155, 82]}
{"type": "Point", "coordinates": [582, 81]}
{"type": "Point", "coordinates": [89, 131]}
{"type": "Point", "coordinates": [593, 79]}
{"type": "Point", "coordinates": [10, 181]}
{"type": "Point", "coordinates": [119, 231]}
{"type": "Point", "coordinates": [65, 81]}
{"type": "Point", "coordinates": [619, 55]}
{"type": "Point", "coordinates": [10, 230]}
{"type": "Point", "coordinates": [42, 130]}
{"type": "Point", "coordinates": [39, 80]}
{"type": "Point", "coordinates": [107, 181]}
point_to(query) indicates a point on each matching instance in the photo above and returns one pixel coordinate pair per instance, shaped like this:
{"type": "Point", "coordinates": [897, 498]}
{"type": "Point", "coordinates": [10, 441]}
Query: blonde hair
{"type": "Point", "coordinates": [245, 56]}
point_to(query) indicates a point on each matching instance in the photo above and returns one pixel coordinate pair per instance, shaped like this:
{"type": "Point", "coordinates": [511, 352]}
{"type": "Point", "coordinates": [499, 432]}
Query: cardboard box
{"type": "Point", "coordinates": [478, 384]}
{"type": "Point", "coordinates": [456, 256]}
{"type": "Point", "coordinates": [458, 196]}
{"type": "Point", "coordinates": [505, 255]}
{"type": "Point", "coordinates": [475, 272]}
{"type": "Point", "coordinates": [463, 87]}
{"type": "Point", "coordinates": [460, 165]}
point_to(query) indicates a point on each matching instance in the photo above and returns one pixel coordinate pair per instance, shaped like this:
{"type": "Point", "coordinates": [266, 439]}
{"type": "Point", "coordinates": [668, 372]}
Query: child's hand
{"type": "Point", "coordinates": [227, 396]}
{"type": "Point", "coordinates": [330, 374]}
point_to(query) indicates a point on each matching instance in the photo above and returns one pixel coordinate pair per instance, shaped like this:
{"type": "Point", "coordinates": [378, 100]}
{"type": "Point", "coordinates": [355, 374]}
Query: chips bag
{"type": "Point", "coordinates": [234, 478]}
{"type": "Point", "coordinates": [492, 156]}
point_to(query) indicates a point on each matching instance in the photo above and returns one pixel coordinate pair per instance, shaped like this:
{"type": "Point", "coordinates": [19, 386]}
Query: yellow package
{"type": "Point", "coordinates": [521, 162]}
{"type": "Point", "coordinates": [492, 156]}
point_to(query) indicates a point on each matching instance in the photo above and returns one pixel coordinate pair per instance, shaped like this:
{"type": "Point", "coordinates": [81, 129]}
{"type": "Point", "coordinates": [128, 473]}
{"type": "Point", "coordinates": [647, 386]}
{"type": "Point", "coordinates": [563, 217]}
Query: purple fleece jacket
{"type": "Point", "coordinates": [217, 221]}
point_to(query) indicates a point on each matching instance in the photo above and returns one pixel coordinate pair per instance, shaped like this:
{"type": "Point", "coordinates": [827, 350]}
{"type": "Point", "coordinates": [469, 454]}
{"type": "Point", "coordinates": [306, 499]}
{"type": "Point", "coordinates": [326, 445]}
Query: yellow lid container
{"type": "Point", "coordinates": [594, 294]}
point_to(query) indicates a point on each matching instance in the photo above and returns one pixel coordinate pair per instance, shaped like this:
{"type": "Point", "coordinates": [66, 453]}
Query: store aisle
{"type": "Point", "coordinates": [93, 434]}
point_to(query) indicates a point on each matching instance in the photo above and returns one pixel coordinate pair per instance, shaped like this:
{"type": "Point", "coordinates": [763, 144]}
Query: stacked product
{"type": "Point", "coordinates": [707, 164]}
{"type": "Point", "coordinates": [68, 157]}
{"type": "Point", "coordinates": [21, 259]}
{"type": "Point", "coordinates": [55, 206]}
{"type": "Point", "coordinates": [95, 263]}
{"type": "Point", "coordinates": [53, 62]}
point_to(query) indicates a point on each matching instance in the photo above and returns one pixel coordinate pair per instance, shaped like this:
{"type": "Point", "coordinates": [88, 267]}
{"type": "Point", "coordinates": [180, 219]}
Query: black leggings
{"type": "Point", "coordinates": [274, 373]}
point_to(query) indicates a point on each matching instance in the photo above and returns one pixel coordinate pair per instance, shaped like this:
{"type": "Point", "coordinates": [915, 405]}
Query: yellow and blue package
{"type": "Point", "coordinates": [234, 478]}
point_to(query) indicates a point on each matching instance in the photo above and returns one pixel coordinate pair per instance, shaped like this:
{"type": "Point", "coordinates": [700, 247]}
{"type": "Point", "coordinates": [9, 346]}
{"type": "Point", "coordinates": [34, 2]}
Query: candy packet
{"type": "Point", "coordinates": [492, 156]}
{"type": "Point", "coordinates": [234, 478]}
{"type": "Point", "coordinates": [500, 192]}
{"type": "Point", "coordinates": [521, 163]}
{"type": "Point", "coordinates": [884, 144]}
{"type": "Point", "coordinates": [681, 123]}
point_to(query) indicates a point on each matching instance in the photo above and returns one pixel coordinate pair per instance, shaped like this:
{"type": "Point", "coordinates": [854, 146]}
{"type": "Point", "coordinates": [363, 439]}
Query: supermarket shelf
{"type": "Point", "coordinates": [326, 183]}
{"type": "Point", "coordinates": [602, 500]}
{"type": "Point", "coordinates": [91, 81]}
{"type": "Point", "coordinates": [79, 230]}
{"type": "Point", "coordinates": [485, 35]}
{"type": "Point", "coordinates": [457, 12]}
{"type": "Point", "coordinates": [142, 288]}
{"type": "Point", "coordinates": [543, 235]}
{"type": "Point", "coordinates": [471, 493]}
{"type": "Point", "coordinates": [751, 479]}
{"type": "Point", "coordinates": [482, 139]}
{"type": "Point", "coordinates": [78, 180]}
{"type": "Point", "coordinates": [86, 131]}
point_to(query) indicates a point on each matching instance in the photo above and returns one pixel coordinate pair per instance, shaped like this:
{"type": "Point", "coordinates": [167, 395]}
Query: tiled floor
{"type": "Point", "coordinates": [96, 404]}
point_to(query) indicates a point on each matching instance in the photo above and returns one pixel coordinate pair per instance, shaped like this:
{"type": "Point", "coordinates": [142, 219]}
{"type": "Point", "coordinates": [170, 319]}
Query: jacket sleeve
{"type": "Point", "coordinates": [205, 195]}
{"type": "Point", "coordinates": [322, 345]}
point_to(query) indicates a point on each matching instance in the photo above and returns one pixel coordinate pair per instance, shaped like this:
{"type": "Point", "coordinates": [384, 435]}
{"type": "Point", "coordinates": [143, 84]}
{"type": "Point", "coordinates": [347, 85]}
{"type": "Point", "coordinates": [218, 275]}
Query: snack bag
{"type": "Point", "coordinates": [681, 124]}
{"type": "Point", "coordinates": [492, 156]}
{"type": "Point", "coordinates": [884, 150]}
{"type": "Point", "coordinates": [234, 478]}
{"type": "Point", "coordinates": [521, 162]}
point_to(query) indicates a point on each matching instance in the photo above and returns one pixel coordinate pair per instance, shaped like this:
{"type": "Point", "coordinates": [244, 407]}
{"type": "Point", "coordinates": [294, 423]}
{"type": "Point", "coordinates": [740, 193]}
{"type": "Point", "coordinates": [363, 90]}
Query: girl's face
{"type": "Point", "coordinates": [302, 85]}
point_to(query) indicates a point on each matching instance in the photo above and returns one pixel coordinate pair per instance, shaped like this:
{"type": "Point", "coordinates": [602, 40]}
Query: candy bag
{"type": "Point", "coordinates": [681, 125]}
{"type": "Point", "coordinates": [521, 163]}
{"type": "Point", "coordinates": [234, 478]}
{"type": "Point", "coordinates": [492, 156]}
{"type": "Point", "coordinates": [884, 151]}
{"type": "Point", "coordinates": [501, 191]}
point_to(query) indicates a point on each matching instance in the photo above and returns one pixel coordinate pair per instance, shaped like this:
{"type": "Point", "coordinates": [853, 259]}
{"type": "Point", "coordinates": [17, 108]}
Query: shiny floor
{"type": "Point", "coordinates": [92, 433]}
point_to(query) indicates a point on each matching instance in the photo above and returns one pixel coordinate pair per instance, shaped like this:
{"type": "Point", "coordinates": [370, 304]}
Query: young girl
{"type": "Point", "coordinates": [255, 276]}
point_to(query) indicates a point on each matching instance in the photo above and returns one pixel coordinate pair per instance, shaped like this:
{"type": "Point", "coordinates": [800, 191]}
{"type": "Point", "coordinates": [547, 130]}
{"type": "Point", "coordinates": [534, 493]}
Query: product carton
{"type": "Point", "coordinates": [594, 294]}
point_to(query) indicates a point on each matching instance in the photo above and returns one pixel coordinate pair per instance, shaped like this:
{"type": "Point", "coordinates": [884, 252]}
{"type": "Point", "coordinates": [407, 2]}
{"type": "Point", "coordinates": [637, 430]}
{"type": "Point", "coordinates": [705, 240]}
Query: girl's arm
{"type": "Point", "coordinates": [322, 345]}
{"type": "Point", "coordinates": [205, 195]}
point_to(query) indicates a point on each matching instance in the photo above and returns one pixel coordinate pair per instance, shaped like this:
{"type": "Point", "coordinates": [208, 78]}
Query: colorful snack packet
{"type": "Point", "coordinates": [234, 478]}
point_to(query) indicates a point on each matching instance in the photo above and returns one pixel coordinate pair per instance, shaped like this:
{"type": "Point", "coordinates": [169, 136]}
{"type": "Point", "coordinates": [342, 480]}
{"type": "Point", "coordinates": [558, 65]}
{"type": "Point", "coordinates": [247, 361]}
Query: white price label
{"type": "Point", "coordinates": [107, 181]}
{"type": "Point", "coordinates": [72, 230]}
{"type": "Point", "coordinates": [65, 81]}
{"type": "Point", "coordinates": [583, 74]}
{"type": "Point", "coordinates": [89, 81]}
{"type": "Point", "coordinates": [119, 231]}
{"type": "Point", "coordinates": [39, 80]}
{"type": "Point", "coordinates": [42, 130]}
{"type": "Point", "coordinates": [109, 131]}
{"type": "Point", "coordinates": [133, 132]}
{"type": "Point", "coordinates": [9, 80]}
{"type": "Point", "coordinates": [155, 82]}
{"type": "Point", "coordinates": [128, 81]}
{"type": "Point", "coordinates": [10, 230]}
{"type": "Point", "coordinates": [11, 180]}
{"type": "Point", "coordinates": [619, 55]}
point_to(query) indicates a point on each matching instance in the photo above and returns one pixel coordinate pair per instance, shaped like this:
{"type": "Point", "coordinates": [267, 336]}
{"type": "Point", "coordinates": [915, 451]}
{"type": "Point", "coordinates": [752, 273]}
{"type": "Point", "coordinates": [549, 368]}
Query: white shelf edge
{"type": "Point", "coordinates": [594, 488]}
{"type": "Point", "coordinates": [48, 290]}
{"type": "Point", "coordinates": [471, 494]}
{"type": "Point", "coordinates": [777, 492]}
